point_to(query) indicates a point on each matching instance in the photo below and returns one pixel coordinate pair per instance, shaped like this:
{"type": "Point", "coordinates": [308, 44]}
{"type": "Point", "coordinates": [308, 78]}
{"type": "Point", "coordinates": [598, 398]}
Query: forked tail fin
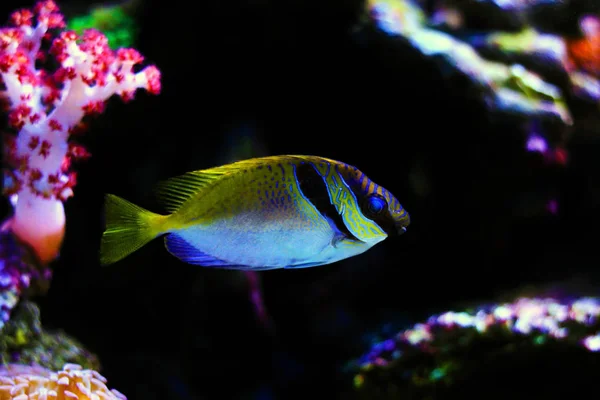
{"type": "Point", "coordinates": [128, 227]}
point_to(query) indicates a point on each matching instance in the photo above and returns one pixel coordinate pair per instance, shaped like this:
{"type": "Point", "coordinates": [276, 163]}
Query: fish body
{"type": "Point", "coordinates": [262, 213]}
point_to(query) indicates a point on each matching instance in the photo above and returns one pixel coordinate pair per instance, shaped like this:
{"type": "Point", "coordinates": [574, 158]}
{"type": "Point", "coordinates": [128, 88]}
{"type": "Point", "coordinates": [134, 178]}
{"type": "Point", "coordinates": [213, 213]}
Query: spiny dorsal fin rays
{"type": "Point", "coordinates": [174, 192]}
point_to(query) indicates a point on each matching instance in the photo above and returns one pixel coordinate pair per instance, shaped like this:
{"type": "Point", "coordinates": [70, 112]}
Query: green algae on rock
{"type": "Point", "coordinates": [25, 341]}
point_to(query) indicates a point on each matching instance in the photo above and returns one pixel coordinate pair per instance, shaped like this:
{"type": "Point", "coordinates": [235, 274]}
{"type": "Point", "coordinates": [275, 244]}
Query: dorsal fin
{"type": "Point", "coordinates": [173, 192]}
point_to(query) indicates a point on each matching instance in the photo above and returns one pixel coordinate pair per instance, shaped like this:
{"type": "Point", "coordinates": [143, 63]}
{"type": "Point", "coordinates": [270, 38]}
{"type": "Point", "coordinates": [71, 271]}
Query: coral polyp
{"type": "Point", "coordinates": [19, 382]}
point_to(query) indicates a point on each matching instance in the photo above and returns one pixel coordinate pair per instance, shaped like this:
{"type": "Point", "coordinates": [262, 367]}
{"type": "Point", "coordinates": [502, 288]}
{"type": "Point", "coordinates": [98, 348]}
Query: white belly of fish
{"type": "Point", "coordinates": [262, 242]}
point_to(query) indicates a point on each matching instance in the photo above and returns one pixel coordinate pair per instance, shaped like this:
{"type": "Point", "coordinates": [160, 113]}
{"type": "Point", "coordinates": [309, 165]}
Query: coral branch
{"type": "Point", "coordinates": [47, 105]}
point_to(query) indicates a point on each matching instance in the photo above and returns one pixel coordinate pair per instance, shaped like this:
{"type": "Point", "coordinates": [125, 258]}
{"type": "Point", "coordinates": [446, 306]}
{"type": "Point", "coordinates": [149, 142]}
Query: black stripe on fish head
{"type": "Point", "coordinates": [375, 202]}
{"type": "Point", "coordinates": [314, 188]}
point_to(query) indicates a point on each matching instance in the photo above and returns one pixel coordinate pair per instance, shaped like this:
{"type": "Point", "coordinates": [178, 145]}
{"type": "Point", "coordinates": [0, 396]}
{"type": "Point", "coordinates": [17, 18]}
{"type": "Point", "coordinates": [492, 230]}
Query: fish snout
{"type": "Point", "coordinates": [402, 224]}
{"type": "Point", "coordinates": [401, 229]}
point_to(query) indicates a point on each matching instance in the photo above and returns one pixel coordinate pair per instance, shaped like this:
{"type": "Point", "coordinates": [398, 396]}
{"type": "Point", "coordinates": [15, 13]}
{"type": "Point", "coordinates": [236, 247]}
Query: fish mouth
{"type": "Point", "coordinates": [400, 229]}
{"type": "Point", "coordinates": [402, 225]}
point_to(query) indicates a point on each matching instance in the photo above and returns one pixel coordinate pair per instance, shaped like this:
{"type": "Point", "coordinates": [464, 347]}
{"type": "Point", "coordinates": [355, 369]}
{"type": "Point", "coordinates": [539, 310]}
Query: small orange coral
{"type": "Point", "coordinates": [21, 382]}
{"type": "Point", "coordinates": [585, 52]}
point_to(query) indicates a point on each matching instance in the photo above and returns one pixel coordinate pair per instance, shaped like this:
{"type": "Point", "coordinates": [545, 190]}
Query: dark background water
{"type": "Point", "coordinates": [297, 77]}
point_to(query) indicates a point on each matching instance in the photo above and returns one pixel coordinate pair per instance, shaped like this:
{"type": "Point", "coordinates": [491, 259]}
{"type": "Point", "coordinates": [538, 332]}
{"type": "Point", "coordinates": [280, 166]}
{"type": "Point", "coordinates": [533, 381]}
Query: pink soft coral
{"type": "Point", "coordinates": [46, 108]}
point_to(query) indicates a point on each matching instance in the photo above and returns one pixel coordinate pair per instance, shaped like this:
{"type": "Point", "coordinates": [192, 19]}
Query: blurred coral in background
{"type": "Point", "coordinates": [460, 353]}
{"type": "Point", "coordinates": [513, 63]}
{"type": "Point", "coordinates": [116, 21]}
{"type": "Point", "coordinates": [585, 51]}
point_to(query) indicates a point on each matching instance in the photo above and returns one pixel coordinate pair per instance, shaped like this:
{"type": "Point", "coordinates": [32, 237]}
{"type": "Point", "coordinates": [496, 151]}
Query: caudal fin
{"type": "Point", "coordinates": [128, 227]}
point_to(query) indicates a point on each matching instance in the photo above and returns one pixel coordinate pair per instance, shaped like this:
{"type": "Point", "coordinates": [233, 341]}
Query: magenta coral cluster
{"type": "Point", "coordinates": [50, 79]}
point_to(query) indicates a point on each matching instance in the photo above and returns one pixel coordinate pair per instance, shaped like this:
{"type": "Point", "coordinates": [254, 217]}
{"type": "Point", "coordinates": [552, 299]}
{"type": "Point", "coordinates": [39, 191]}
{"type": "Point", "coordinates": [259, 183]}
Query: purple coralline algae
{"type": "Point", "coordinates": [447, 347]}
{"type": "Point", "coordinates": [20, 273]}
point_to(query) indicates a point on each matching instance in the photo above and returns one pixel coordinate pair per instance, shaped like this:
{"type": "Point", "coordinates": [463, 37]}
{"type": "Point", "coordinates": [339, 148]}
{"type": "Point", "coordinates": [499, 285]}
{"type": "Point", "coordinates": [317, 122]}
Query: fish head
{"type": "Point", "coordinates": [383, 208]}
{"type": "Point", "coordinates": [378, 208]}
{"type": "Point", "coordinates": [359, 209]}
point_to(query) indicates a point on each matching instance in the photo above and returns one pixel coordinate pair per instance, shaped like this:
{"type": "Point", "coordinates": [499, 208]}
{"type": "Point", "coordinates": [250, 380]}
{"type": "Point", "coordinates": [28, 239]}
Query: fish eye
{"type": "Point", "coordinates": [375, 205]}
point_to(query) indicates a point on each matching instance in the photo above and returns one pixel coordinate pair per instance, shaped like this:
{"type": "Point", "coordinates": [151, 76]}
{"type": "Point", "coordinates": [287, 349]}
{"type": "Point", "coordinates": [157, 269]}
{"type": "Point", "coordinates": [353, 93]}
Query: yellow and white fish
{"type": "Point", "coordinates": [263, 213]}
